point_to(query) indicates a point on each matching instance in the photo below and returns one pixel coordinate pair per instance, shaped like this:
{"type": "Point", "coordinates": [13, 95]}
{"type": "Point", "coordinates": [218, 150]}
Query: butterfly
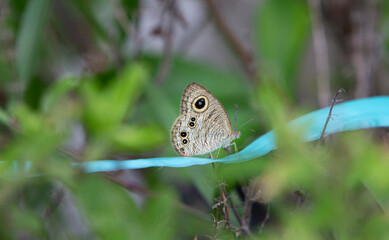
{"type": "Point", "coordinates": [203, 125]}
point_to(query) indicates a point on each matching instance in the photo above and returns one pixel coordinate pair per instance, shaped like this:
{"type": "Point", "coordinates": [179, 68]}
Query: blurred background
{"type": "Point", "coordinates": [95, 80]}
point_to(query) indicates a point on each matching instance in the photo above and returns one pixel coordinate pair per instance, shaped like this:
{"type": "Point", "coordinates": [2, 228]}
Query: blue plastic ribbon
{"type": "Point", "coordinates": [357, 114]}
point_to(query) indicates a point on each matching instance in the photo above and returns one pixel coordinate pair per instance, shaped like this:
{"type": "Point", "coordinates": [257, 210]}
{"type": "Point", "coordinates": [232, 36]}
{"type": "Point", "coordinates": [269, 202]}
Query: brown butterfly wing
{"type": "Point", "coordinates": [201, 127]}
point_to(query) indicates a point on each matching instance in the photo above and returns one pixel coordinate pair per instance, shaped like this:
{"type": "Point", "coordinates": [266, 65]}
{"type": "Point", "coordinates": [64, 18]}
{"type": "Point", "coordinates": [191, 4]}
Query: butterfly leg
{"type": "Point", "coordinates": [236, 148]}
{"type": "Point", "coordinates": [218, 151]}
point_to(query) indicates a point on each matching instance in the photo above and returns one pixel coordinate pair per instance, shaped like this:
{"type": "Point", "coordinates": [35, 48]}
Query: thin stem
{"type": "Point", "coordinates": [245, 56]}
{"type": "Point", "coordinates": [234, 210]}
{"type": "Point", "coordinates": [248, 204]}
{"type": "Point", "coordinates": [330, 113]}
{"type": "Point", "coordinates": [266, 218]}
{"type": "Point", "coordinates": [164, 67]}
{"type": "Point", "coordinates": [321, 52]}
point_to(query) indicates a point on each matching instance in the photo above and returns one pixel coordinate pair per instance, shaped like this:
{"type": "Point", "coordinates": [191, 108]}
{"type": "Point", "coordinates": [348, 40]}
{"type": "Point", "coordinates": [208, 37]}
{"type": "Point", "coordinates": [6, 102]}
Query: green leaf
{"type": "Point", "coordinates": [6, 72]}
{"type": "Point", "coordinates": [57, 91]}
{"type": "Point", "coordinates": [27, 221]}
{"type": "Point", "coordinates": [29, 37]}
{"type": "Point", "coordinates": [281, 32]}
{"type": "Point", "coordinates": [139, 137]}
{"type": "Point", "coordinates": [4, 117]}
{"type": "Point", "coordinates": [106, 107]}
{"type": "Point", "coordinates": [34, 91]}
{"type": "Point", "coordinates": [130, 6]}
{"type": "Point", "coordinates": [159, 107]}
{"type": "Point", "coordinates": [160, 215]}
{"type": "Point", "coordinates": [90, 11]}
{"type": "Point", "coordinates": [201, 177]}
{"type": "Point", "coordinates": [110, 211]}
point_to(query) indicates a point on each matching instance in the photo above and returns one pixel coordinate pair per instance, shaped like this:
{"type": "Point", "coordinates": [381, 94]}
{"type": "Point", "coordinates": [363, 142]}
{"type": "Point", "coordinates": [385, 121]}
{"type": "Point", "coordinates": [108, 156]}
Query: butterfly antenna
{"type": "Point", "coordinates": [246, 123]}
{"type": "Point", "coordinates": [236, 116]}
{"type": "Point", "coordinates": [251, 130]}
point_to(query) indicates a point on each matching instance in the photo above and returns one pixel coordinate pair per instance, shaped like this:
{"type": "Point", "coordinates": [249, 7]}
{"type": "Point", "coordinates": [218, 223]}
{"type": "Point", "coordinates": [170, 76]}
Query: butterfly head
{"type": "Point", "coordinates": [237, 134]}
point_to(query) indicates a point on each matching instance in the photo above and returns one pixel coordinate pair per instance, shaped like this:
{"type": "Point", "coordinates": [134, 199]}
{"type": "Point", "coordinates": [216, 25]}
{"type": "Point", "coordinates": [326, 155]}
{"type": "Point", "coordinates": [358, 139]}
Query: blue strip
{"type": "Point", "coordinates": [357, 114]}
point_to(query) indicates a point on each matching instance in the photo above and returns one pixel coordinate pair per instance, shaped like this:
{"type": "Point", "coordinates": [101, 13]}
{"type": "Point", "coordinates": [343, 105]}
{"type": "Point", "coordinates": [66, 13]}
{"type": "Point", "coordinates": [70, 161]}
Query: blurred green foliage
{"type": "Point", "coordinates": [70, 92]}
{"type": "Point", "coordinates": [280, 55]}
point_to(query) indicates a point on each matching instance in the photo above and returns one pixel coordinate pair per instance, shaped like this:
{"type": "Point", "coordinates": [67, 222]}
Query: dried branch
{"type": "Point", "coordinates": [234, 210]}
{"type": "Point", "coordinates": [321, 53]}
{"type": "Point", "coordinates": [223, 201]}
{"type": "Point", "coordinates": [167, 34]}
{"type": "Point", "coordinates": [267, 217]}
{"type": "Point", "coordinates": [245, 56]}
{"type": "Point", "coordinates": [54, 203]}
{"type": "Point", "coordinates": [363, 42]}
{"type": "Point", "coordinates": [164, 67]}
{"type": "Point", "coordinates": [188, 40]}
{"type": "Point", "coordinates": [248, 204]}
{"type": "Point", "coordinates": [128, 185]}
{"type": "Point", "coordinates": [121, 16]}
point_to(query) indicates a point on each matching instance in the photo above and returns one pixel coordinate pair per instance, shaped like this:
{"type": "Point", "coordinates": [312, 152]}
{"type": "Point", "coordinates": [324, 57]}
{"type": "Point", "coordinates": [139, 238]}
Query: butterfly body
{"type": "Point", "coordinates": [203, 125]}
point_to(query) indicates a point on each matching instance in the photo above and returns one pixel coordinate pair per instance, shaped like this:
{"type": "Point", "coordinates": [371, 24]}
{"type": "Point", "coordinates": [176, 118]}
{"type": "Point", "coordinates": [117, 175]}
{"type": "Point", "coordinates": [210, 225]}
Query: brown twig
{"type": "Point", "coordinates": [267, 216]}
{"type": "Point", "coordinates": [321, 53]}
{"type": "Point", "coordinates": [301, 196]}
{"type": "Point", "coordinates": [164, 67]}
{"type": "Point", "coordinates": [245, 226]}
{"type": "Point", "coordinates": [127, 185]}
{"type": "Point", "coordinates": [121, 16]}
{"type": "Point", "coordinates": [176, 13]}
{"type": "Point", "coordinates": [363, 43]}
{"type": "Point", "coordinates": [224, 203]}
{"type": "Point", "coordinates": [222, 206]}
{"type": "Point", "coordinates": [245, 56]}
{"type": "Point", "coordinates": [149, 193]}
{"type": "Point", "coordinates": [4, 11]}
{"type": "Point", "coordinates": [194, 211]}
{"type": "Point", "coordinates": [54, 203]}
{"type": "Point", "coordinates": [167, 35]}
{"type": "Point", "coordinates": [187, 41]}
{"type": "Point", "coordinates": [216, 217]}
{"type": "Point", "coordinates": [217, 205]}
{"type": "Point", "coordinates": [234, 210]}
{"type": "Point", "coordinates": [330, 114]}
